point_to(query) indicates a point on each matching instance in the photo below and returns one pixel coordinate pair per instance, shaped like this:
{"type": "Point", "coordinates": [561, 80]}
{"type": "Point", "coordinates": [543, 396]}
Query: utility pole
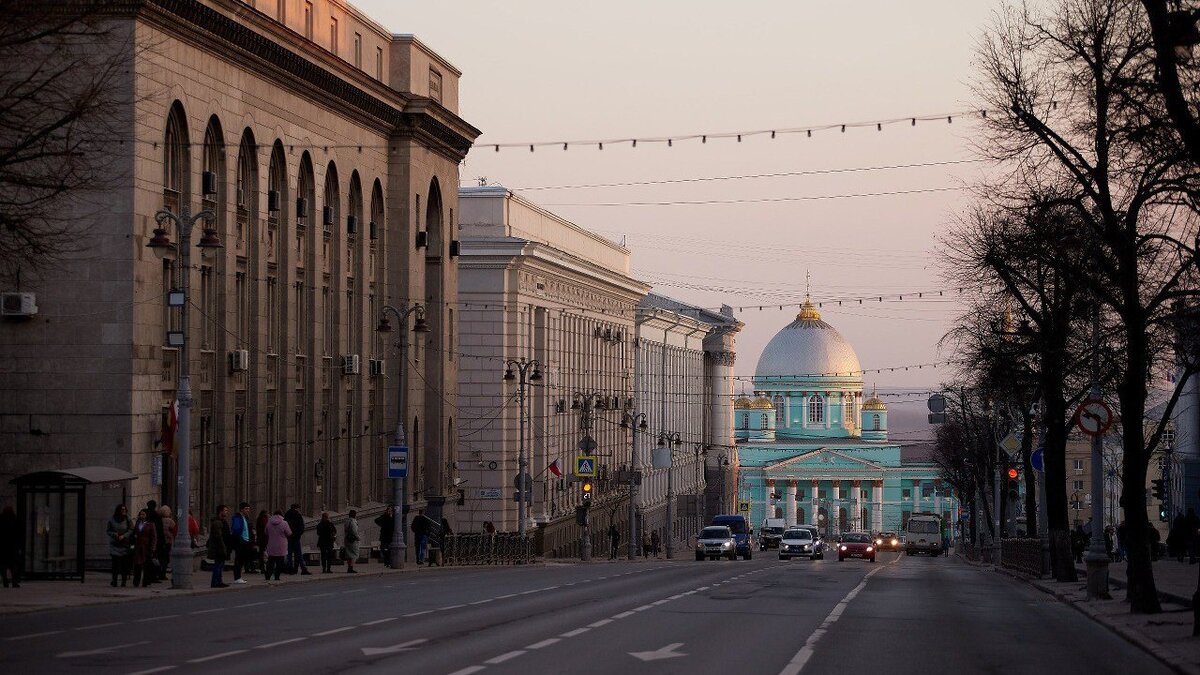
{"type": "Point", "coordinates": [670, 440]}
{"type": "Point", "coordinates": [637, 422]}
{"type": "Point", "coordinates": [1097, 557]}
{"type": "Point", "coordinates": [530, 371]}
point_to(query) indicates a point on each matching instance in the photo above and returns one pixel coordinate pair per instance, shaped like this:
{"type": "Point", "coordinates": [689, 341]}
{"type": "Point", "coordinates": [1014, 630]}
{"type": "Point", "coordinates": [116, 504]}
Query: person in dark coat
{"type": "Point", "coordinates": [614, 540]}
{"type": "Point", "coordinates": [11, 547]}
{"type": "Point", "coordinates": [145, 547]}
{"type": "Point", "coordinates": [295, 556]}
{"type": "Point", "coordinates": [326, 541]}
{"type": "Point", "coordinates": [260, 537]}
{"type": "Point", "coordinates": [655, 542]}
{"type": "Point", "coordinates": [420, 530]}
{"type": "Point", "coordinates": [160, 552]}
{"type": "Point", "coordinates": [219, 540]}
{"type": "Point", "coordinates": [387, 529]}
{"type": "Point", "coordinates": [120, 543]}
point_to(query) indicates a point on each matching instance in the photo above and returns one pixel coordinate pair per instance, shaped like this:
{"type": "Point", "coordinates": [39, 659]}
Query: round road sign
{"type": "Point", "coordinates": [1093, 417]}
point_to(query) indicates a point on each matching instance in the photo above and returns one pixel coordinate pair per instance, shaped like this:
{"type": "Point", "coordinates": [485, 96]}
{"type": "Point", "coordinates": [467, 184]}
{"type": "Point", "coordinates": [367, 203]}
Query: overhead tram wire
{"type": "Point", "coordinates": [764, 200]}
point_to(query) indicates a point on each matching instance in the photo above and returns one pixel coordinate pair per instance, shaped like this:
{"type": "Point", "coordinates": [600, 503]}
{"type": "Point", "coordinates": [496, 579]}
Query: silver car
{"type": "Point", "coordinates": [716, 541]}
{"type": "Point", "coordinates": [799, 543]}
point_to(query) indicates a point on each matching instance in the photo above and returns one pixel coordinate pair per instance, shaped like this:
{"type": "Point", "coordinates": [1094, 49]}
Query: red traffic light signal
{"type": "Point", "coordinates": [1012, 472]}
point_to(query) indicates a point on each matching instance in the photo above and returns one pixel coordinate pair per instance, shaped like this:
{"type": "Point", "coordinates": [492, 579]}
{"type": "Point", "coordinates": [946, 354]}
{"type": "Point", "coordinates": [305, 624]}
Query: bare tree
{"type": "Point", "coordinates": [59, 97]}
{"type": "Point", "coordinates": [1175, 35]}
{"type": "Point", "coordinates": [1075, 115]}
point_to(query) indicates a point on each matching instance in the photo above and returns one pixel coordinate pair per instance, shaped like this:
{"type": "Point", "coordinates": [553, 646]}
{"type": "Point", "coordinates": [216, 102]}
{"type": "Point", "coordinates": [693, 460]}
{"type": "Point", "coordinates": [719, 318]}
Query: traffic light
{"type": "Point", "coordinates": [1012, 473]}
{"type": "Point", "coordinates": [1012, 486]}
{"type": "Point", "coordinates": [1158, 488]}
{"type": "Point", "coordinates": [588, 488]}
{"type": "Point", "coordinates": [581, 516]}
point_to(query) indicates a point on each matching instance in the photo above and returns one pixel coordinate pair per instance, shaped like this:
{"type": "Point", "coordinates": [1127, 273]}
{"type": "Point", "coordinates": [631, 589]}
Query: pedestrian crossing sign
{"type": "Point", "coordinates": [585, 465]}
{"type": "Point", "coordinates": [743, 507]}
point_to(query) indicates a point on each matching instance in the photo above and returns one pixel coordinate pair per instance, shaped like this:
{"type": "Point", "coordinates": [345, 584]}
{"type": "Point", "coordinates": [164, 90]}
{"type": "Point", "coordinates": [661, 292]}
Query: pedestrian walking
{"type": "Point", "coordinates": [156, 555]}
{"type": "Point", "coordinates": [295, 556]}
{"type": "Point", "coordinates": [260, 537]}
{"type": "Point", "coordinates": [120, 543]}
{"type": "Point", "coordinates": [193, 527]}
{"type": "Point", "coordinates": [326, 542]}
{"type": "Point", "coordinates": [1109, 533]}
{"type": "Point", "coordinates": [655, 542]}
{"type": "Point", "coordinates": [350, 540]}
{"type": "Point", "coordinates": [12, 541]}
{"type": "Point", "coordinates": [242, 528]}
{"type": "Point", "coordinates": [219, 540]}
{"type": "Point", "coordinates": [420, 530]}
{"type": "Point", "coordinates": [614, 539]}
{"type": "Point", "coordinates": [145, 547]}
{"type": "Point", "coordinates": [387, 529]}
{"type": "Point", "coordinates": [170, 529]}
{"type": "Point", "coordinates": [277, 534]}
{"type": "Point", "coordinates": [647, 546]}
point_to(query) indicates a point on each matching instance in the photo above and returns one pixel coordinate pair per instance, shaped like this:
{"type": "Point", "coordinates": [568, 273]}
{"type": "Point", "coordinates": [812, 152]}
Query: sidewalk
{"type": "Point", "coordinates": [1166, 636]}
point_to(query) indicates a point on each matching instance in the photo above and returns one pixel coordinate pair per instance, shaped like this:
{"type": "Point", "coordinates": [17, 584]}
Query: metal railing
{"type": "Point", "coordinates": [1023, 555]}
{"type": "Point", "coordinates": [501, 548]}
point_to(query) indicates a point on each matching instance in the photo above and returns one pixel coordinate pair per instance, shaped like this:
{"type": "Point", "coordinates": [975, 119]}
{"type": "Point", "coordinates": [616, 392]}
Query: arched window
{"type": "Point", "coordinates": [246, 187]}
{"type": "Point", "coordinates": [778, 409]}
{"type": "Point", "coordinates": [766, 421]}
{"type": "Point", "coordinates": [875, 423]}
{"type": "Point", "coordinates": [176, 156]}
{"type": "Point", "coordinates": [816, 410]}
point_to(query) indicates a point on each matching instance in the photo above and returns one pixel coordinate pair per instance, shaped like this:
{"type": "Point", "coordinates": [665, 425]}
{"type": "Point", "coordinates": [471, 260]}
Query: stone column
{"type": "Point", "coordinates": [768, 508]}
{"type": "Point", "coordinates": [877, 504]}
{"type": "Point", "coordinates": [835, 508]}
{"type": "Point", "coordinates": [857, 519]}
{"type": "Point", "coordinates": [816, 504]}
{"type": "Point", "coordinates": [789, 507]}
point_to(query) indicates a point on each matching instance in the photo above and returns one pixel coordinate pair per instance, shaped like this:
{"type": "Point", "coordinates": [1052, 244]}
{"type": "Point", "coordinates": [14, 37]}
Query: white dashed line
{"type": "Point", "coordinates": [656, 603]}
{"type": "Point", "coordinates": [376, 622]}
{"type": "Point", "coordinates": [325, 595]}
{"type": "Point", "coordinates": [505, 597]}
{"type": "Point", "coordinates": [34, 635]}
{"type": "Point", "coordinates": [298, 597]}
{"type": "Point", "coordinates": [428, 611]}
{"type": "Point", "coordinates": [482, 602]}
{"type": "Point", "coordinates": [544, 643]}
{"type": "Point", "coordinates": [468, 670]}
{"type": "Point", "coordinates": [505, 657]}
{"type": "Point", "coordinates": [208, 611]}
{"type": "Point", "coordinates": [601, 622]}
{"type": "Point", "coordinates": [281, 642]}
{"type": "Point", "coordinates": [214, 657]}
{"type": "Point", "coordinates": [442, 609]}
{"type": "Point", "coordinates": [573, 633]}
{"type": "Point", "coordinates": [357, 590]}
{"type": "Point", "coordinates": [642, 608]}
{"type": "Point", "coordinates": [100, 625]}
{"type": "Point", "coordinates": [623, 615]}
{"type": "Point", "coordinates": [343, 629]}
{"type": "Point", "coordinates": [801, 658]}
{"type": "Point", "coordinates": [157, 618]}
{"type": "Point", "coordinates": [250, 604]}
{"type": "Point", "coordinates": [153, 670]}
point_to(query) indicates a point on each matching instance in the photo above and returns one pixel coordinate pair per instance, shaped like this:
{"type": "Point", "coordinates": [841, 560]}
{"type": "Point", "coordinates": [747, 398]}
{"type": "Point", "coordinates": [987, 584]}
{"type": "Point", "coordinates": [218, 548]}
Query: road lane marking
{"type": "Point", "coordinates": [544, 643]}
{"type": "Point", "coordinates": [100, 625]}
{"type": "Point", "coordinates": [505, 597]}
{"type": "Point", "coordinates": [505, 657]}
{"type": "Point", "coordinates": [343, 629]}
{"type": "Point", "coordinates": [801, 658]}
{"type": "Point", "coordinates": [428, 611]}
{"type": "Point", "coordinates": [573, 633]}
{"type": "Point", "coordinates": [154, 670]}
{"type": "Point", "coordinates": [298, 597]}
{"type": "Point", "coordinates": [156, 618]}
{"type": "Point", "coordinates": [34, 635]}
{"type": "Point", "coordinates": [250, 604]}
{"type": "Point", "coordinates": [376, 622]}
{"type": "Point", "coordinates": [214, 657]}
{"type": "Point", "coordinates": [601, 622]}
{"type": "Point", "coordinates": [102, 650]}
{"type": "Point", "coordinates": [442, 609]}
{"type": "Point", "coordinates": [281, 642]}
{"type": "Point", "coordinates": [357, 590]}
{"type": "Point", "coordinates": [623, 615]}
{"type": "Point", "coordinates": [642, 608]}
{"type": "Point", "coordinates": [482, 602]}
{"type": "Point", "coordinates": [468, 670]}
{"type": "Point", "coordinates": [208, 611]}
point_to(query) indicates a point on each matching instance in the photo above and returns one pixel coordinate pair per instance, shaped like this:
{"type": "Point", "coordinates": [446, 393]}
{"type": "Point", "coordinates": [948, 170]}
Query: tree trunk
{"type": "Point", "coordinates": [1062, 562]}
{"type": "Point", "coordinates": [1142, 592]}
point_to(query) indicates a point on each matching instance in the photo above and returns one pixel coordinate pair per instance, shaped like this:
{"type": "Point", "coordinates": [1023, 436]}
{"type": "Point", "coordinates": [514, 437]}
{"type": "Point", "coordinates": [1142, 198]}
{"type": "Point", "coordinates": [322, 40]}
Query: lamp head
{"type": "Point", "coordinates": [210, 239]}
{"type": "Point", "coordinates": [160, 243]}
{"type": "Point", "coordinates": [643, 426]}
{"type": "Point", "coordinates": [508, 375]}
{"type": "Point", "coordinates": [419, 326]}
{"type": "Point", "coordinates": [384, 325]}
{"type": "Point", "coordinates": [536, 376]}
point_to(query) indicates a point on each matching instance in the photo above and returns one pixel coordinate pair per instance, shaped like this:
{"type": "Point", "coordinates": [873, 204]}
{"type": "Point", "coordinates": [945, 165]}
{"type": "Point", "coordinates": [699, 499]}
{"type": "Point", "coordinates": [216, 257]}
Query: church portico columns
{"type": "Point", "coordinates": [835, 513]}
{"type": "Point", "coordinates": [877, 505]}
{"type": "Point", "coordinates": [789, 507]}
{"type": "Point", "coordinates": [857, 519]}
{"type": "Point", "coordinates": [768, 496]}
{"type": "Point", "coordinates": [816, 504]}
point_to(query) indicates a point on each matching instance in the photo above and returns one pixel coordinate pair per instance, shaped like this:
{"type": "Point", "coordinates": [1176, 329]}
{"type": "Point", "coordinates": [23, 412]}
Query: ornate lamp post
{"type": "Point", "coordinates": [530, 371]}
{"type": "Point", "coordinates": [670, 440]}
{"type": "Point", "coordinates": [398, 548]}
{"type": "Point", "coordinates": [637, 422]}
{"type": "Point", "coordinates": [181, 550]}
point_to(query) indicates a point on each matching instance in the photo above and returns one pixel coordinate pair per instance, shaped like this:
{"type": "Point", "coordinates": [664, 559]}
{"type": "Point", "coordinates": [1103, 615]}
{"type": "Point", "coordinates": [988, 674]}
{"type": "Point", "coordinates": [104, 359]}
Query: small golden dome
{"type": "Point", "coordinates": [874, 404]}
{"type": "Point", "coordinates": [762, 403]}
{"type": "Point", "coordinates": [741, 403]}
{"type": "Point", "coordinates": [808, 311]}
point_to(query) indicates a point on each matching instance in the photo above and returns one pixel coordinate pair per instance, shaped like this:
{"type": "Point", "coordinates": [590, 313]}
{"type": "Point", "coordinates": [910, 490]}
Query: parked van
{"type": "Point", "coordinates": [924, 534]}
{"type": "Point", "coordinates": [740, 526]}
{"type": "Point", "coordinates": [771, 533]}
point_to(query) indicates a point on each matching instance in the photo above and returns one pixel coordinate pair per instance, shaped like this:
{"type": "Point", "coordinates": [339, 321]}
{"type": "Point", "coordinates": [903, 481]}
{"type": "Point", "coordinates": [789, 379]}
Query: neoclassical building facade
{"type": "Point", "coordinates": [813, 451]}
{"type": "Point", "coordinates": [327, 149]}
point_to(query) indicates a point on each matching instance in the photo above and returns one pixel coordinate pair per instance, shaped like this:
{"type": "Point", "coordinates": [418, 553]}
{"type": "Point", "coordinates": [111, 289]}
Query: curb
{"type": "Point", "coordinates": [1163, 596]}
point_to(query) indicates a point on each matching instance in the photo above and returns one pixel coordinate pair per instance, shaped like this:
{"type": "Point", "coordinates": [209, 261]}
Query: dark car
{"type": "Point", "coordinates": [887, 541]}
{"type": "Point", "coordinates": [856, 545]}
{"type": "Point", "coordinates": [740, 527]}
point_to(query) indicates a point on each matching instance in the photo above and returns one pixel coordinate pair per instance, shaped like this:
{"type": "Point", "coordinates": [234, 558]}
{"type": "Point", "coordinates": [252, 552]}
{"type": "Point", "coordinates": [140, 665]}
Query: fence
{"type": "Point", "coordinates": [1023, 555]}
{"type": "Point", "coordinates": [501, 548]}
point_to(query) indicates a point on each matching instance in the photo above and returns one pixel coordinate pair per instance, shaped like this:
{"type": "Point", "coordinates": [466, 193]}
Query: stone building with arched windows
{"type": "Point", "coordinates": [811, 450]}
{"type": "Point", "coordinates": [327, 149]}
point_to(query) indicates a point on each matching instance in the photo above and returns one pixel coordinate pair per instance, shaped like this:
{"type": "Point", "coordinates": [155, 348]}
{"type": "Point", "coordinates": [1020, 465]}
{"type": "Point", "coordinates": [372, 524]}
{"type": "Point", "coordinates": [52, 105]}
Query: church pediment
{"type": "Point", "coordinates": [826, 459]}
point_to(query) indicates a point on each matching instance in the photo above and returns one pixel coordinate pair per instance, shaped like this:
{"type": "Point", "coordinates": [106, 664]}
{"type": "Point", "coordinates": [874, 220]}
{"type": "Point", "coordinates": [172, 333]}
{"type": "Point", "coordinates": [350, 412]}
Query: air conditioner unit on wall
{"type": "Point", "coordinates": [328, 218]}
{"type": "Point", "coordinates": [239, 360]}
{"type": "Point", "coordinates": [375, 367]}
{"type": "Point", "coordinates": [350, 364]}
{"type": "Point", "coordinates": [16, 304]}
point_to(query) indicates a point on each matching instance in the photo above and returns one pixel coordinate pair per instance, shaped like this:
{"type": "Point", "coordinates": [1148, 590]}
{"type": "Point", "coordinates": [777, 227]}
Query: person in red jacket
{"type": "Point", "coordinates": [193, 526]}
{"type": "Point", "coordinates": [145, 545]}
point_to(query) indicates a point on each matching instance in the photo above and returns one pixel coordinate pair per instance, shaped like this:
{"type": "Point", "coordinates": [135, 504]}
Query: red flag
{"type": "Point", "coordinates": [169, 426]}
{"type": "Point", "coordinates": [555, 469]}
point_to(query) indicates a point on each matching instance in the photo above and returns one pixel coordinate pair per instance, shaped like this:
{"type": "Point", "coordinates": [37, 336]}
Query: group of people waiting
{"type": "Point", "coordinates": [141, 547]}
{"type": "Point", "coordinates": [272, 543]}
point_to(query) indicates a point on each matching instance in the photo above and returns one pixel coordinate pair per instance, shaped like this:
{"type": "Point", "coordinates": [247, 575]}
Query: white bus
{"type": "Point", "coordinates": [923, 534]}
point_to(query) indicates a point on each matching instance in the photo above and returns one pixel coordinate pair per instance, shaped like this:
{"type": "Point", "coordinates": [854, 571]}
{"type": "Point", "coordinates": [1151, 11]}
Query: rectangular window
{"type": "Point", "coordinates": [1078, 485]}
{"type": "Point", "coordinates": [379, 63]}
{"type": "Point", "coordinates": [308, 20]}
{"type": "Point", "coordinates": [435, 85]}
{"type": "Point", "coordinates": [333, 36]}
{"type": "Point", "coordinates": [906, 493]}
{"type": "Point", "coordinates": [358, 50]}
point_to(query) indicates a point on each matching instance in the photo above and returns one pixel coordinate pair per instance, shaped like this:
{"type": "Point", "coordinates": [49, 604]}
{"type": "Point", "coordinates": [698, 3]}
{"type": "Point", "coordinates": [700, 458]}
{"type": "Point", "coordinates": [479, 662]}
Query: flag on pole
{"type": "Point", "coordinates": [555, 468]}
{"type": "Point", "coordinates": [170, 424]}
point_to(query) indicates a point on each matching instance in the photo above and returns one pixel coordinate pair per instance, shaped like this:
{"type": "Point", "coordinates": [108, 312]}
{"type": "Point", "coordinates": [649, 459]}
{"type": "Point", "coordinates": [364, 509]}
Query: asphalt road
{"type": "Point", "coordinates": [901, 615]}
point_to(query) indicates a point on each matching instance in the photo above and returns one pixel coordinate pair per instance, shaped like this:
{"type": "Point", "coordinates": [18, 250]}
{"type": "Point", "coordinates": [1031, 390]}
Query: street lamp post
{"type": "Point", "coordinates": [1097, 557]}
{"type": "Point", "coordinates": [637, 422]}
{"type": "Point", "coordinates": [670, 440]}
{"type": "Point", "coordinates": [398, 548]}
{"type": "Point", "coordinates": [724, 466]}
{"type": "Point", "coordinates": [530, 371]}
{"type": "Point", "coordinates": [181, 550]}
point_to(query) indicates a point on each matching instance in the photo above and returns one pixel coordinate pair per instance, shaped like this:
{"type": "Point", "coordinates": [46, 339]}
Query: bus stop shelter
{"type": "Point", "coordinates": [52, 507]}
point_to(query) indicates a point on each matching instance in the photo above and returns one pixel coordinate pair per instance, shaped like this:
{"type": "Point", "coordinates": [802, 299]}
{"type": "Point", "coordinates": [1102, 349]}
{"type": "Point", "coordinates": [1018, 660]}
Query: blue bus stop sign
{"type": "Point", "coordinates": [1038, 460]}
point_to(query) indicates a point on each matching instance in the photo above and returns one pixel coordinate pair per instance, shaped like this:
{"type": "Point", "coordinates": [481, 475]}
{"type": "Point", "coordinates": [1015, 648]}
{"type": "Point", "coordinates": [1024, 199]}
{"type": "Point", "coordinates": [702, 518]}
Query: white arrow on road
{"type": "Point", "coordinates": [667, 652]}
{"type": "Point", "coordinates": [102, 650]}
{"type": "Point", "coordinates": [394, 649]}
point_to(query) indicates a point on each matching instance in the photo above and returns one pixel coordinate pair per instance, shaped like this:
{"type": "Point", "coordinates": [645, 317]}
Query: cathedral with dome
{"type": "Point", "coordinates": [811, 450]}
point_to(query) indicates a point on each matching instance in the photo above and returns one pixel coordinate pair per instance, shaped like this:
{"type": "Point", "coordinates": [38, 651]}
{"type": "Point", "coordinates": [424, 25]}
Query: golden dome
{"type": "Point", "coordinates": [762, 403]}
{"type": "Point", "coordinates": [874, 404]}
{"type": "Point", "coordinates": [741, 403]}
{"type": "Point", "coordinates": [808, 311]}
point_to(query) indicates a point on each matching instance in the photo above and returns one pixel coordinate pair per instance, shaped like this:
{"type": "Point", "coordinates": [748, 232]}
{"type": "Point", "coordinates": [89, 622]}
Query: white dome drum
{"type": "Point", "coordinates": [808, 348]}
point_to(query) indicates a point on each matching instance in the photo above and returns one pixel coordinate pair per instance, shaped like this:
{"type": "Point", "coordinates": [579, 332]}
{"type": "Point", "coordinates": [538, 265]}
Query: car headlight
{"type": "Point", "coordinates": [870, 548]}
{"type": "Point", "coordinates": [843, 548]}
{"type": "Point", "coordinates": [894, 542]}
{"type": "Point", "coordinates": [879, 542]}
{"type": "Point", "coordinates": [728, 544]}
{"type": "Point", "coordinates": [806, 547]}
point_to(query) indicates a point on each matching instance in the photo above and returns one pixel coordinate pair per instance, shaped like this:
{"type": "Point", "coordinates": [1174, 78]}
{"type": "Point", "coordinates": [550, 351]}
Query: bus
{"type": "Point", "coordinates": [923, 534]}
